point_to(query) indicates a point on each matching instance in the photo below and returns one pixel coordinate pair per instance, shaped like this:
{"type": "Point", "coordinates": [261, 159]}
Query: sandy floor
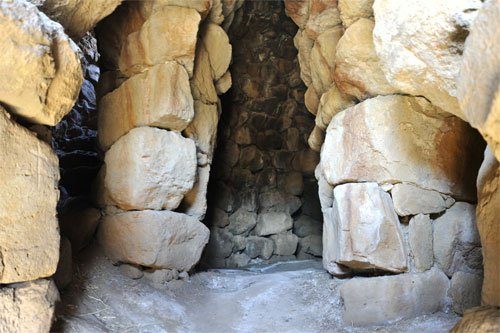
{"type": "Point", "coordinates": [287, 297]}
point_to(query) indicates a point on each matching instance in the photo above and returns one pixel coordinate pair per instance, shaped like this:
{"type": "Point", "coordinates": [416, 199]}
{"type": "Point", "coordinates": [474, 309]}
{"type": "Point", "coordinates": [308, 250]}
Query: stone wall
{"type": "Point", "coordinates": [397, 171]}
{"type": "Point", "coordinates": [263, 201]}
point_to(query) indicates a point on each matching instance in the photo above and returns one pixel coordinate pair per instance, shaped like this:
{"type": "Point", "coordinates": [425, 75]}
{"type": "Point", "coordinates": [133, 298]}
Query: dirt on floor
{"type": "Point", "coordinates": [284, 297]}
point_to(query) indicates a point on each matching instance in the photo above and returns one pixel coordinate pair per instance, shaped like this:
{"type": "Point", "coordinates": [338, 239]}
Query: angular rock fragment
{"type": "Point", "coordinates": [420, 241]}
{"type": "Point", "coordinates": [273, 223]}
{"type": "Point", "coordinates": [285, 244]}
{"type": "Point", "coordinates": [352, 10]}
{"type": "Point", "coordinates": [412, 200]}
{"type": "Point", "coordinates": [259, 247]}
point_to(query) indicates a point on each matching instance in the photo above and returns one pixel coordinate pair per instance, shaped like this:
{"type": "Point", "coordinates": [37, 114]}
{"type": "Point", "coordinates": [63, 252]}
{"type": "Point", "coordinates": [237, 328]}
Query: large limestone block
{"type": "Point", "coordinates": [482, 319]}
{"type": "Point", "coordinates": [368, 234]}
{"type": "Point", "coordinates": [160, 97]}
{"type": "Point", "coordinates": [77, 16]}
{"type": "Point", "coordinates": [29, 235]}
{"type": "Point", "coordinates": [159, 239]}
{"type": "Point", "coordinates": [357, 66]}
{"type": "Point", "coordinates": [322, 61]}
{"type": "Point", "coordinates": [379, 300]}
{"type": "Point", "coordinates": [202, 83]}
{"type": "Point", "coordinates": [28, 307]}
{"type": "Point", "coordinates": [352, 10]}
{"type": "Point", "coordinates": [178, 27]}
{"type": "Point", "coordinates": [487, 213]}
{"type": "Point", "coordinates": [331, 103]}
{"type": "Point", "coordinates": [478, 89]}
{"type": "Point", "coordinates": [219, 50]}
{"type": "Point", "coordinates": [401, 139]}
{"type": "Point", "coordinates": [420, 45]}
{"type": "Point", "coordinates": [203, 128]}
{"type": "Point", "coordinates": [150, 168]}
{"type": "Point", "coordinates": [195, 201]}
{"type": "Point", "coordinates": [331, 250]}
{"type": "Point", "coordinates": [420, 242]}
{"type": "Point", "coordinates": [412, 200]}
{"type": "Point", "coordinates": [41, 73]}
{"type": "Point", "coordinates": [456, 240]}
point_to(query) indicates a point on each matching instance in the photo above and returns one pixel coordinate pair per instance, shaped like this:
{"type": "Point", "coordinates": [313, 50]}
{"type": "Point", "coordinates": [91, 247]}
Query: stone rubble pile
{"type": "Point", "coordinates": [398, 166]}
{"type": "Point", "coordinates": [264, 204]}
{"type": "Point", "coordinates": [158, 116]}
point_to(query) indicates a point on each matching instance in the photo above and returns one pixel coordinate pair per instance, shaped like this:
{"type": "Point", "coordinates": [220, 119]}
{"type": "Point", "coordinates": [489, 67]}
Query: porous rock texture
{"type": "Point", "coordinates": [480, 319]}
{"type": "Point", "coordinates": [46, 86]}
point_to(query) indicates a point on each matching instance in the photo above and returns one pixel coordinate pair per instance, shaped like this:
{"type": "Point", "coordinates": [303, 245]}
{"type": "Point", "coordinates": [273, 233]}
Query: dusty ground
{"type": "Point", "coordinates": [293, 297]}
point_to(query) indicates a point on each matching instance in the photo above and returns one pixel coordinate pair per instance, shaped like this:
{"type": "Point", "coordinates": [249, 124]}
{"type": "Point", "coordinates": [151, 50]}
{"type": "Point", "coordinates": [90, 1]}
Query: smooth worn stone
{"type": "Point", "coordinates": [161, 276]}
{"type": "Point", "coordinates": [159, 97]}
{"type": "Point", "coordinates": [420, 46]}
{"type": "Point", "coordinates": [357, 67]}
{"type": "Point", "coordinates": [220, 244]}
{"type": "Point", "coordinates": [385, 299]}
{"type": "Point", "coordinates": [194, 202]}
{"type": "Point", "coordinates": [352, 10]}
{"type": "Point", "coordinates": [273, 223]}
{"type": "Point", "coordinates": [477, 85]}
{"type": "Point", "coordinates": [389, 135]}
{"type": "Point", "coordinates": [322, 59]}
{"type": "Point", "coordinates": [178, 26]}
{"type": "Point", "coordinates": [311, 100]}
{"type": "Point", "coordinates": [241, 221]}
{"type": "Point", "coordinates": [457, 246]}
{"type": "Point", "coordinates": [275, 201]}
{"type": "Point", "coordinates": [219, 50]}
{"type": "Point", "coordinates": [482, 319]}
{"type": "Point", "coordinates": [412, 200]}
{"type": "Point", "coordinates": [223, 84]}
{"type": "Point", "coordinates": [332, 102]}
{"type": "Point", "coordinates": [330, 249]}
{"type": "Point", "coordinates": [28, 306]}
{"type": "Point", "coordinates": [202, 84]}
{"type": "Point", "coordinates": [420, 241]}
{"type": "Point", "coordinates": [488, 206]}
{"type": "Point", "coordinates": [159, 239]}
{"type": "Point", "coordinates": [150, 168]}
{"type": "Point", "coordinates": [46, 86]}
{"type": "Point", "coordinates": [29, 232]}
{"type": "Point", "coordinates": [316, 139]}
{"type": "Point", "coordinates": [323, 15]}
{"type": "Point", "coordinates": [238, 260]}
{"type": "Point", "coordinates": [366, 235]}
{"type": "Point", "coordinates": [131, 271]}
{"type": "Point", "coordinates": [312, 245]}
{"type": "Point", "coordinates": [285, 244]}
{"type": "Point", "coordinates": [259, 247]}
{"type": "Point", "coordinates": [64, 272]}
{"type": "Point", "coordinates": [465, 291]}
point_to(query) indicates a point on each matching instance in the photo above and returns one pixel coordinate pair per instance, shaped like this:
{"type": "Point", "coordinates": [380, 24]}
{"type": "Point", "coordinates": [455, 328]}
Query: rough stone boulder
{"type": "Point", "coordinates": [158, 239]}
{"type": "Point", "coordinates": [285, 244]}
{"type": "Point", "coordinates": [420, 242]}
{"type": "Point", "coordinates": [412, 200]}
{"type": "Point", "coordinates": [261, 247]}
{"type": "Point", "coordinates": [352, 10]}
{"type": "Point", "coordinates": [178, 27]}
{"type": "Point", "coordinates": [45, 87]}
{"type": "Point", "coordinates": [456, 240]}
{"type": "Point", "coordinates": [483, 319]}
{"type": "Point", "coordinates": [219, 50]}
{"type": "Point", "coordinates": [420, 45]}
{"type": "Point", "coordinates": [203, 128]}
{"type": "Point", "coordinates": [28, 225]}
{"type": "Point", "coordinates": [195, 201]}
{"type": "Point", "coordinates": [465, 291]}
{"type": "Point", "coordinates": [488, 208]}
{"type": "Point", "coordinates": [357, 66]}
{"type": "Point", "coordinates": [304, 45]}
{"type": "Point", "coordinates": [273, 223]}
{"type": "Point", "coordinates": [401, 139]}
{"type": "Point", "coordinates": [77, 16]}
{"type": "Point", "coordinates": [323, 15]}
{"type": "Point", "coordinates": [379, 300]}
{"type": "Point", "coordinates": [202, 83]}
{"type": "Point", "coordinates": [365, 235]}
{"type": "Point", "coordinates": [28, 306]}
{"type": "Point", "coordinates": [478, 86]}
{"type": "Point", "coordinates": [150, 168]}
{"type": "Point", "coordinates": [331, 103]}
{"type": "Point", "coordinates": [159, 97]}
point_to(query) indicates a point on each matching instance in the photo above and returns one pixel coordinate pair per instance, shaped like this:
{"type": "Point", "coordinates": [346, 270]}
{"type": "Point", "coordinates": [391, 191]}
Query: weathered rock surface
{"type": "Point", "coordinates": [28, 307]}
{"type": "Point", "coordinates": [357, 67]}
{"type": "Point", "coordinates": [488, 206]}
{"type": "Point", "coordinates": [306, 225]}
{"type": "Point", "coordinates": [367, 235]}
{"type": "Point", "coordinates": [312, 245]}
{"type": "Point", "coordinates": [465, 291]}
{"type": "Point", "coordinates": [179, 28]}
{"type": "Point", "coordinates": [401, 139]}
{"type": "Point", "coordinates": [331, 103]}
{"type": "Point", "coordinates": [45, 87]}
{"type": "Point", "coordinates": [285, 244]}
{"type": "Point", "coordinates": [76, 16]}
{"type": "Point", "coordinates": [420, 241]}
{"type": "Point", "coordinates": [478, 87]}
{"type": "Point", "coordinates": [456, 240]}
{"type": "Point", "coordinates": [159, 97]}
{"type": "Point", "coordinates": [322, 59]}
{"type": "Point", "coordinates": [203, 128]}
{"type": "Point", "coordinates": [483, 319]}
{"type": "Point", "coordinates": [64, 272]}
{"type": "Point", "coordinates": [159, 239]}
{"type": "Point", "coordinates": [242, 221]}
{"type": "Point", "coordinates": [384, 299]}
{"type": "Point", "coordinates": [420, 46]}
{"type": "Point", "coordinates": [261, 247]}
{"type": "Point", "coordinates": [219, 50]}
{"type": "Point", "coordinates": [323, 15]}
{"type": "Point", "coordinates": [412, 200]}
{"type": "Point", "coordinates": [194, 202]}
{"type": "Point", "coordinates": [29, 233]}
{"type": "Point", "coordinates": [273, 223]}
{"type": "Point", "coordinates": [352, 10]}
{"type": "Point", "coordinates": [150, 168]}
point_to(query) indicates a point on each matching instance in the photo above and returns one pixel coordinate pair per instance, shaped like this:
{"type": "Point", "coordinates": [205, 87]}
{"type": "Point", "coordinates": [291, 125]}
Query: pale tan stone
{"type": "Point", "coordinates": [159, 97]}
{"type": "Point", "coordinates": [218, 48]}
{"type": "Point", "coordinates": [78, 222]}
{"type": "Point", "coordinates": [419, 44]}
{"type": "Point", "coordinates": [384, 299]}
{"type": "Point", "coordinates": [223, 84]}
{"type": "Point", "coordinates": [331, 251]}
{"type": "Point", "coordinates": [483, 319]}
{"type": "Point", "coordinates": [316, 139]}
{"type": "Point", "coordinates": [357, 66]}
{"type": "Point", "coordinates": [304, 45]}
{"type": "Point", "coordinates": [203, 128]}
{"type": "Point", "coordinates": [178, 27]}
{"type": "Point", "coordinates": [352, 10]}
{"type": "Point", "coordinates": [150, 168]}
{"type": "Point", "coordinates": [29, 174]}
{"type": "Point", "coordinates": [159, 239]}
{"type": "Point", "coordinates": [401, 139]}
{"type": "Point", "coordinates": [45, 87]}
{"type": "Point", "coordinates": [77, 16]}
{"type": "Point", "coordinates": [322, 59]}
{"type": "Point", "coordinates": [411, 200]}
{"type": "Point", "coordinates": [323, 15]}
{"type": "Point", "coordinates": [368, 234]}
{"type": "Point", "coordinates": [195, 201]}
{"type": "Point", "coordinates": [478, 89]}
{"type": "Point", "coordinates": [201, 6]}
{"type": "Point", "coordinates": [202, 84]}
{"type": "Point", "coordinates": [487, 212]}
{"type": "Point", "coordinates": [331, 103]}
{"type": "Point", "coordinates": [298, 11]}
{"type": "Point", "coordinates": [311, 100]}
{"type": "Point", "coordinates": [420, 241]}
{"type": "Point", "coordinates": [28, 307]}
